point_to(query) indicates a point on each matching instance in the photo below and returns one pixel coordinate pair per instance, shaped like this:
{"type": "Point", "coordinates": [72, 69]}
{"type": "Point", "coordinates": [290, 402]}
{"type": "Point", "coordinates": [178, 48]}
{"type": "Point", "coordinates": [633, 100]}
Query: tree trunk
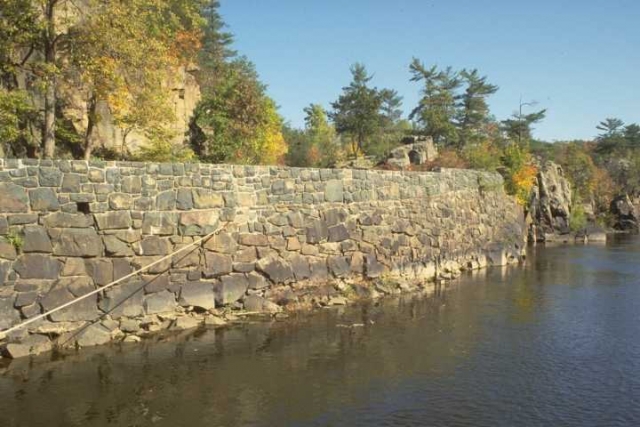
{"type": "Point", "coordinates": [49, 129]}
{"type": "Point", "coordinates": [92, 116]}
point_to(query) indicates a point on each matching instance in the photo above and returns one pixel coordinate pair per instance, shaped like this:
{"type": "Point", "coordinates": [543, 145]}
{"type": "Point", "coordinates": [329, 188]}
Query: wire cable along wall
{"type": "Point", "coordinates": [5, 333]}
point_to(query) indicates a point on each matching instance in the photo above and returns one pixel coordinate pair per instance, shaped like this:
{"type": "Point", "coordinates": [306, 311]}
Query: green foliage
{"type": "Point", "coordinates": [357, 112]}
{"type": "Point", "coordinates": [474, 110]}
{"type": "Point", "coordinates": [484, 156]}
{"type": "Point", "coordinates": [161, 149]}
{"type": "Point", "coordinates": [17, 116]}
{"type": "Point", "coordinates": [452, 118]}
{"type": "Point", "coordinates": [519, 172]}
{"type": "Point", "coordinates": [436, 110]}
{"type": "Point", "coordinates": [577, 219]}
{"type": "Point", "coordinates": [316, 145]}
{"type": "Point", "coordinates": [519, 127]}
{"type": "Point", "coordinates": [579, 169]}
{"type": "Point", "coordinates": [15, 239]}
{"type": "Point", "coordinates": [236, 121]}
{"type": "Point", "coordinates": [216, 48]}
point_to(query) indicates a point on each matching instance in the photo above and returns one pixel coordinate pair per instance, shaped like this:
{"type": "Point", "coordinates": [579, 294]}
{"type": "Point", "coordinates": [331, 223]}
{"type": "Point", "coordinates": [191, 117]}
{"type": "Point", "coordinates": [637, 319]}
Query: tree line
{"type": "Point", "coordinates": [119, 55]}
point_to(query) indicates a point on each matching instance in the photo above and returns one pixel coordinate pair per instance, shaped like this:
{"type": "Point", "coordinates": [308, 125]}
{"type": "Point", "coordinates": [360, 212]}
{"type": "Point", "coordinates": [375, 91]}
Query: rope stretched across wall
{"type": "Point", "coordinates": [5, 333]}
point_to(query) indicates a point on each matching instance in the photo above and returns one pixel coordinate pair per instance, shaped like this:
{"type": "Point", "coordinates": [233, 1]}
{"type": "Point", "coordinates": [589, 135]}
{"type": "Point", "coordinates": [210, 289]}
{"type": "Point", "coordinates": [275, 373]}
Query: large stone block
{"type": "Point", "coordinates": [231, 288]}
{"type": "Point", "coordinates": [5, 268]}
{"type": "Point", "coordinates": [49, 177]}
{"type": "Point", "coordinates": [301, 267]}
{"type": "Point", "coordinates": [339, 266]}
{"type": "Point", "coordinates": [93, 335]}
{"type": "Point", "coordinates": [159, 223]}
{"type": "Point", "coordinates": [124, 300]}
{"type": "Point", "coordinates": [222, 242]}
{"type": "Point", "coordinates": [161, 302]}
{"type": "Point", "coordinates": [44, 199]}
{"type": "Point", "coordinates": [154, 245]}
{"type": "Point", "coordinates": [36, 239]}
{"type": "Point", "coordinates": [100, 270]}
{"type": "Point", "coordinates": [14, 199]}
{"type": "Point", "coordinates": [84, 310]}
{"type": "Point", "coordinates": [115, 247]}
{"type": "Point", "coordinates": [276, 269]}
{"type": "Point", "coordinates": [197, 294]}
{"type": "Point", "coordinates": [166, 201]}
{"type": "Point", "coordinates": [113, 220]}
{"type": "Point", "coordinates": [372, 267]}
{"type": "Point", "coordinates": [120, 201]}
{"type": "Point", "coordinates": [184, 200]}
{"type": "Point", "coordinates": [67, 220]}
{"type": "Point", "coordinates": [7, 250]}
{"type": "Point", "coordinates": [30, 346]}
{"type": "Point", "coordinates": [317, 232]}
{"type": "Point", "coordinates": [253, 239]}
{"type": "Point", "coordinates": [155, 283]}
{"type": "Point", "coordinates": [334, 191]}
{"type": "Point", "coordinates": [217, 264]}
{"type": "Point", "coordinates": [198, 223]}
{"type": "Point", "coordinates": [144, 261]}
{"type": "Point", "coordinates": [78, 243]}
{"type": "Point", "coordinates": [72, 182]}
{"type": "Point", "coordinates": [207, 199]}
{"type": "Point", "coordinates": [74, 267]}
{"type": "Point", "coordinates": [255, 303]}
{"type": "Point", "coordinates": [338, 233]}
{"type": "Point", "coordinates": [9, 316]}
{"type": "Point", "coordinates": [37, 266]}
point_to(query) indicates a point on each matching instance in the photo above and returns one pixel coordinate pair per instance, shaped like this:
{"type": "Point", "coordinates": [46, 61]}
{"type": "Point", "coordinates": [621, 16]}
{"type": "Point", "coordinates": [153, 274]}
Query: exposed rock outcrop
{"type": "Point", "coordinates": [416, 150]}
{"type": "Point", "coordinates": [550, 204]}
{"type": "Point", "coordinates": [625, 214]}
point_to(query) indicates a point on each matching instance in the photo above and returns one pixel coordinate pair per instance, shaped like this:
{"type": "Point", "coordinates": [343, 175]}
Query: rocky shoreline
{"type": "Point", "coordinates": [284, 302]}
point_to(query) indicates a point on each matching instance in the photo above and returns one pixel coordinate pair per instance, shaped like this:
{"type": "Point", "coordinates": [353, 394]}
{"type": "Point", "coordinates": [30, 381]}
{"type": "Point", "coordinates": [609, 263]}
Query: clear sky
{"type": "Point", "coordinates": [580, 59]}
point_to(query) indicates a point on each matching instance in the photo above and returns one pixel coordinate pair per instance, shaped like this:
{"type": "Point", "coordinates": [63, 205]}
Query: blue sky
{"type": "Point", "coordinates": [578, 59]}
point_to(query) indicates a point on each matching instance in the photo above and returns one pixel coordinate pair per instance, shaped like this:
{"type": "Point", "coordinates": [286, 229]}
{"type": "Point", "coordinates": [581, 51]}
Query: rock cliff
{"type": "Point", "coordinates": [550, 205]}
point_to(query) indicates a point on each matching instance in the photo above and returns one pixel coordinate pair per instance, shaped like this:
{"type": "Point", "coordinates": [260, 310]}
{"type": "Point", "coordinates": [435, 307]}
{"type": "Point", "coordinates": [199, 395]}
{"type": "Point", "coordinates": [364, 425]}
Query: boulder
{"type": "Point", "coordinates": [30, 346]}
{"type": "Point", "coordinates": [93, 335]}
{"type": "Point", "coordinates": [257, 303]}
{"type": "Point", "coordinates": [416, 150]}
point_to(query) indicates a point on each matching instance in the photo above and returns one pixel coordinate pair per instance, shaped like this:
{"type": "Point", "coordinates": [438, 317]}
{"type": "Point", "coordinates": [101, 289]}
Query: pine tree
{"type": "Point", "coordinates": [436, 109]}
{"type": "Point", "coordinates": [356, 113]}
{"type": "Point", "coordinates": [474, 110]}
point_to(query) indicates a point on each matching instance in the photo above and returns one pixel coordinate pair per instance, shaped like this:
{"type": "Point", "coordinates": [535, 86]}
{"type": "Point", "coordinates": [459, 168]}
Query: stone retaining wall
{"type": "Point", "coordinates": [71, 226]}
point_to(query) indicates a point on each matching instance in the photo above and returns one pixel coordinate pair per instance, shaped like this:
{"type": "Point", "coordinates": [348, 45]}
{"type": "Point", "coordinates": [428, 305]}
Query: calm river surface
{"type": "Point", "coordinates": [554, 343]}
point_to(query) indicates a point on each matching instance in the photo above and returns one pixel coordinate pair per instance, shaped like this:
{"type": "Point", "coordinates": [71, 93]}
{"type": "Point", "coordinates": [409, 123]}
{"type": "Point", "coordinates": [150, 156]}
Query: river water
{"type": "Point", "coordinates": [553, 343]}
